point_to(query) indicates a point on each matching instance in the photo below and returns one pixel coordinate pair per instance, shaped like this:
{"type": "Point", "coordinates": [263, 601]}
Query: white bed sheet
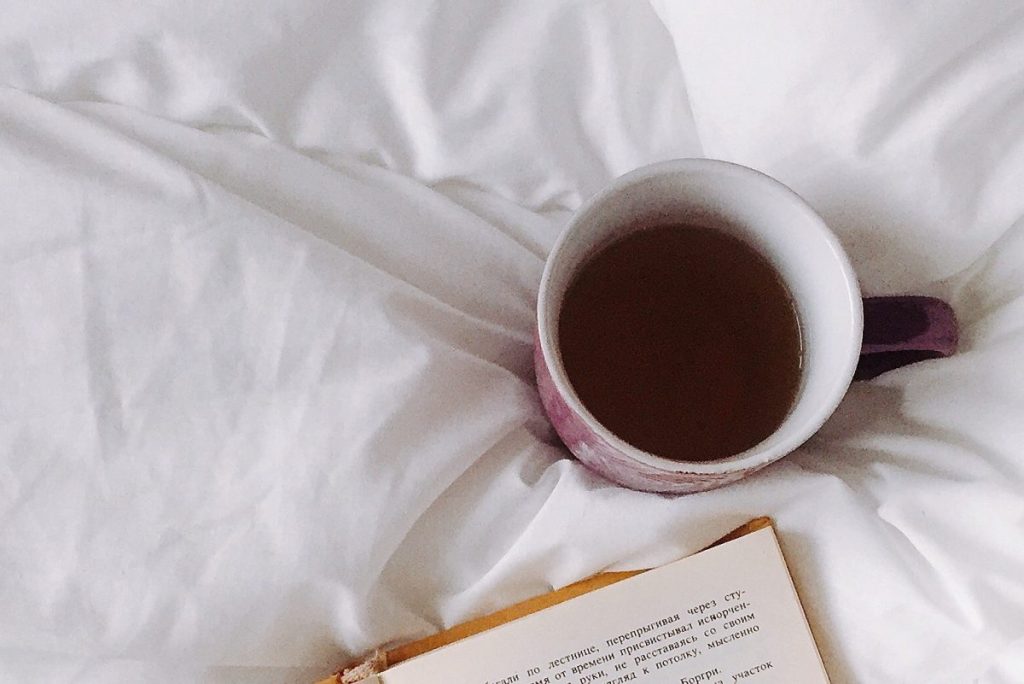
{"type": "Point", "coordinates": [267, 286]}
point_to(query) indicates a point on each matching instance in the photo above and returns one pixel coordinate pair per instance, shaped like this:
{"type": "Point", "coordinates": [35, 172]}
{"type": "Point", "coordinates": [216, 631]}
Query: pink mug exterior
{"type": "Point", "coordinates": [826, 294]}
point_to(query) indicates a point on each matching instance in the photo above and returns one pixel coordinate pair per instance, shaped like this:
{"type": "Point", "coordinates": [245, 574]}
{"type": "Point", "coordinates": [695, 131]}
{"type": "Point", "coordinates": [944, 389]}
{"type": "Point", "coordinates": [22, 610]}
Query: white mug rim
{"type": "Point", "coordinates": [756, 456]}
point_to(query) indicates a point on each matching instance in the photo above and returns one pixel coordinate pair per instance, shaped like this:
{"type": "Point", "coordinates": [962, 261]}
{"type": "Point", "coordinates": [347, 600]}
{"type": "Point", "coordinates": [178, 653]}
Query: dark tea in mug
{"type": "Point", "coordinates": [683, 341]}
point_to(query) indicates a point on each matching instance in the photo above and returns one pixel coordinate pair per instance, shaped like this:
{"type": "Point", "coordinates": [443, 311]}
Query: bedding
{"type": "Point", "coordinates": [268, 279]}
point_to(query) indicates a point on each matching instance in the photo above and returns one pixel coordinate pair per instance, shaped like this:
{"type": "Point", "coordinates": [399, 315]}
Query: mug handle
{"type": "Point", "coordinates": [904, 330]}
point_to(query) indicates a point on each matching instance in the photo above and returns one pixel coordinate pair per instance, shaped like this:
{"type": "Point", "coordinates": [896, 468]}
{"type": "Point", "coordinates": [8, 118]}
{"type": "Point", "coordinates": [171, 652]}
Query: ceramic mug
{"type": "Point", "coordinates": [843, 335]}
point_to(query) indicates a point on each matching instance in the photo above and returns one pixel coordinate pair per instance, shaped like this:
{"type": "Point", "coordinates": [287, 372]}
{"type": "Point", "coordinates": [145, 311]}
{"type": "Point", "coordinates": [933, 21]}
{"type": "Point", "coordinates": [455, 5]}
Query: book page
{"type": "Point", "coordinates": [726, 615]}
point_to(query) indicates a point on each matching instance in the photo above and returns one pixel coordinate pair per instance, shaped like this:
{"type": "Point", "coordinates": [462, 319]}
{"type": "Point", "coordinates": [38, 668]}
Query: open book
{"type": "Point", "coordinates": [727, 614]}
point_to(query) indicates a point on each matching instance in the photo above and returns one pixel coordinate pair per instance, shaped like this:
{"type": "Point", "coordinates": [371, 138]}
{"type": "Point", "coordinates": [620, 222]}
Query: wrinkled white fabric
{"type": "Point", "coordinates": [267, 277]}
